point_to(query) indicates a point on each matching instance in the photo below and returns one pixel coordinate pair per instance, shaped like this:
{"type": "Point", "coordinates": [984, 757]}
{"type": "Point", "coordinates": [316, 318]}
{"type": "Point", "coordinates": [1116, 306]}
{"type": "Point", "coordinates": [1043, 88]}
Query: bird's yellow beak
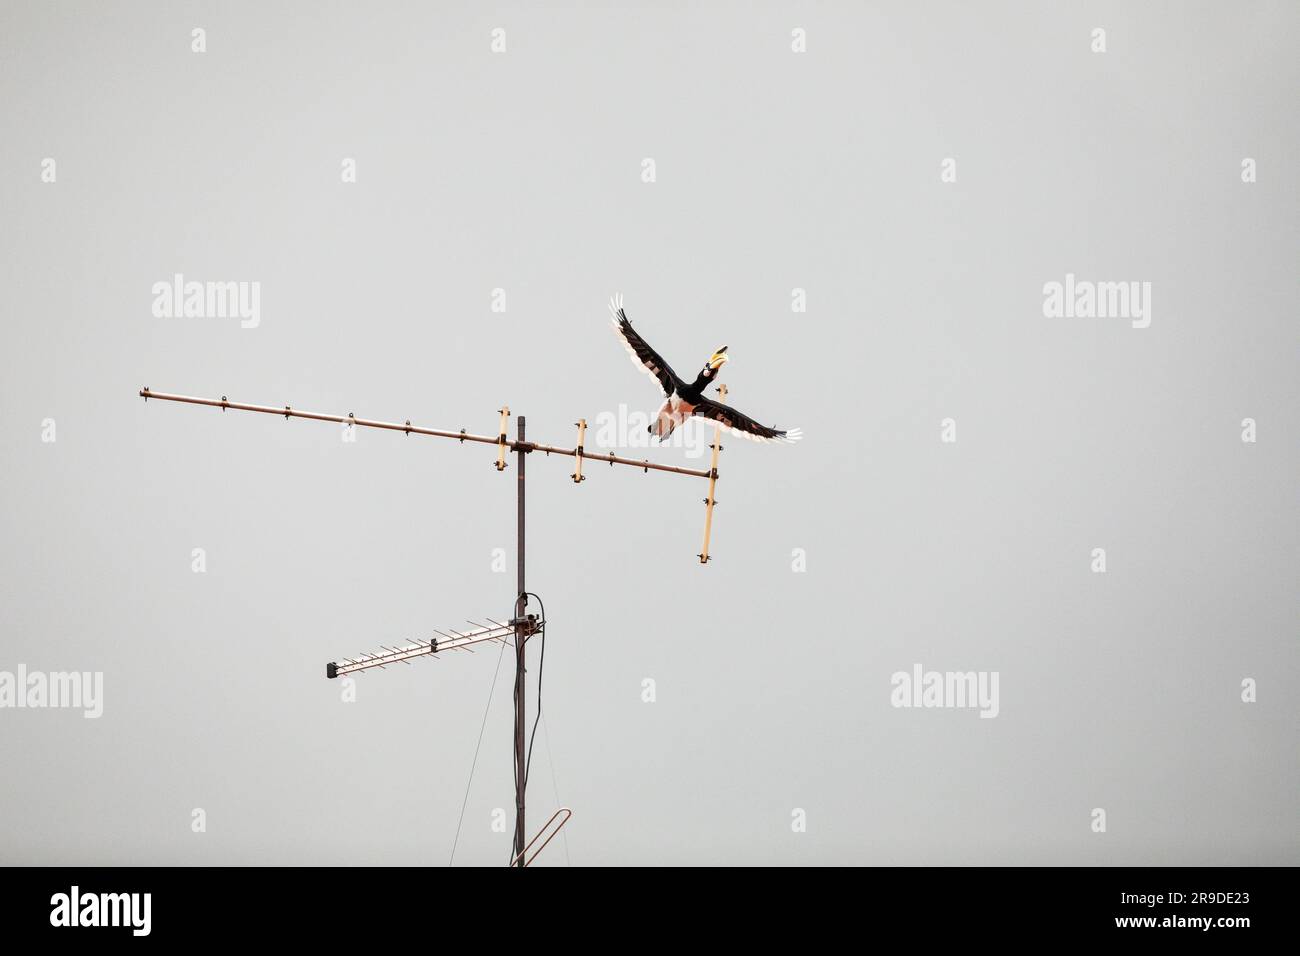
{"type": "Point", "coordinates": [718, 358]}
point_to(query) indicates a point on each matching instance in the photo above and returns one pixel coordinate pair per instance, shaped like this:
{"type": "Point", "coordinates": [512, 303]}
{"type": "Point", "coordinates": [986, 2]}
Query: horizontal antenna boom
{"type": "Point", "coordinates": [409, 429]}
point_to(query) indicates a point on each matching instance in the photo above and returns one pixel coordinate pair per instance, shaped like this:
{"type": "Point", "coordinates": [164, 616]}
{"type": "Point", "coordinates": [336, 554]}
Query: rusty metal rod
{"type": "Point", "coordinates": [290, 412]}
{"type": "Point", "coordinates": [519, 861]}
{"type": "Point", "coordinates": [615, 460]}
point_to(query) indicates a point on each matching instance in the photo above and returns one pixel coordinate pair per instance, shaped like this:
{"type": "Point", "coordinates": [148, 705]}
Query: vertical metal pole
{"type": "Point", "coordinates": [521, 636]}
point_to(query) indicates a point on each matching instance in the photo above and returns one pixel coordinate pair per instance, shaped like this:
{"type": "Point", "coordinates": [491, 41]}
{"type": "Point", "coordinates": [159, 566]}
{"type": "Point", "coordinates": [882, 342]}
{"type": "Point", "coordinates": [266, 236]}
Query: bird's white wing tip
{"type": "Point", "coordinates": [616, 304]}
{"type": "Point", "coordinates": [792, 435]}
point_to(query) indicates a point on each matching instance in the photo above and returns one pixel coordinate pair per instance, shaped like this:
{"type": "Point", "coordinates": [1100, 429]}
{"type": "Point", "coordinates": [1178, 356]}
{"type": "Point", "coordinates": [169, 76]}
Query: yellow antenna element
{"type": "Point", "coordinates": [501, 439]}
{"type": "Point", "coordinates": [709, 502]}
{"type": "Point", "coordinates": [577, 475]}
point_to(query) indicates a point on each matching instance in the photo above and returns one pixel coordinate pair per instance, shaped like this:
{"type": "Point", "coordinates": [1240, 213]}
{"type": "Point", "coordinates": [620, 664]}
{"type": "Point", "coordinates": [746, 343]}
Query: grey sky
{"type": "Point", "coordinates": [774, 171]}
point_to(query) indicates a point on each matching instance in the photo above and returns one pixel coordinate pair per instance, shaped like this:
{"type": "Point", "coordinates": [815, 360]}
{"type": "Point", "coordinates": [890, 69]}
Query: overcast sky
{"type": "Point", "coordinates": [866, 203]}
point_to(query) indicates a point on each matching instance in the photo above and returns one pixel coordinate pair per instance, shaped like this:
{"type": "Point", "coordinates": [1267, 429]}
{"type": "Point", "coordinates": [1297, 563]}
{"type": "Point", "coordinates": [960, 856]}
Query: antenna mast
{"type": "Point", "coordinates": [522, 633]}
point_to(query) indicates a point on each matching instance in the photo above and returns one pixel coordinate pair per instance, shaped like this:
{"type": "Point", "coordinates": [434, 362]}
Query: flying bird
{"type": "Point", "coordinates": [683, 399]}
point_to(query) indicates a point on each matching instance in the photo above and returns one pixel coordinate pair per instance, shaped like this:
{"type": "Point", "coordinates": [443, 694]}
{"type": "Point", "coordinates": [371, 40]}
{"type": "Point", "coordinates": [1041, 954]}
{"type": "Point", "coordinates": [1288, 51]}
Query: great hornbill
{"type": "Point", "coordinates": [684, 399]}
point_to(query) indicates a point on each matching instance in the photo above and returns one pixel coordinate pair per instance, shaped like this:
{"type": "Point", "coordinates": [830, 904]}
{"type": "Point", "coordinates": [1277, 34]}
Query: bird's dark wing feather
{"type": "Point", "coordinates": [741, 424]}
{"type": "Point", "coordinates": [646, 358]}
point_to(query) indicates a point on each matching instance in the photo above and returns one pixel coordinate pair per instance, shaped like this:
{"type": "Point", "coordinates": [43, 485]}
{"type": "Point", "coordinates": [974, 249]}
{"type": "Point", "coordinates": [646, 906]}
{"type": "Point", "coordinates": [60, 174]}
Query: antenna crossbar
{"type": "Point", "coordinates": [406, 427]}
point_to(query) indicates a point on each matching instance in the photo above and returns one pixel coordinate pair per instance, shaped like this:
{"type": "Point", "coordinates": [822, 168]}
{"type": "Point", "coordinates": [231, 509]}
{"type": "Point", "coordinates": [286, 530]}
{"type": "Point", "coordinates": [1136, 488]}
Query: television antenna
{"type": "Point", "coordinates": [522, 625]}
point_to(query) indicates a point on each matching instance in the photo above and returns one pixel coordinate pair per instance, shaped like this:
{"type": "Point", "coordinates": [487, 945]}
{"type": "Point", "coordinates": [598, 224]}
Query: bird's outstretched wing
{"type": "Point", "coordinates": [646, 358]}
{"type": "Point", "coordinates": [741, 424]}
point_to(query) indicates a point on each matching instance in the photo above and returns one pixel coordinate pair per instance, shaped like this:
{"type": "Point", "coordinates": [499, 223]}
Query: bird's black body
{"type": "Point", "coordinates": [694, 392]}
{"type": "Point", "coordinates": [683, 399]}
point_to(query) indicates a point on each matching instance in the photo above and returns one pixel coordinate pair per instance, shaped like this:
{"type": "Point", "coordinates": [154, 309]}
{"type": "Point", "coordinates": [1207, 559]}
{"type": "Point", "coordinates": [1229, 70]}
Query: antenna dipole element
{"type": "Point", "coordinates": [709, 501]}
{"type": "Point", "coordinates": [563, 814]}
{"type": "Point", "coordinates": [577, 475]}
{"type": "Point", "coordinates": [501, 438]}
